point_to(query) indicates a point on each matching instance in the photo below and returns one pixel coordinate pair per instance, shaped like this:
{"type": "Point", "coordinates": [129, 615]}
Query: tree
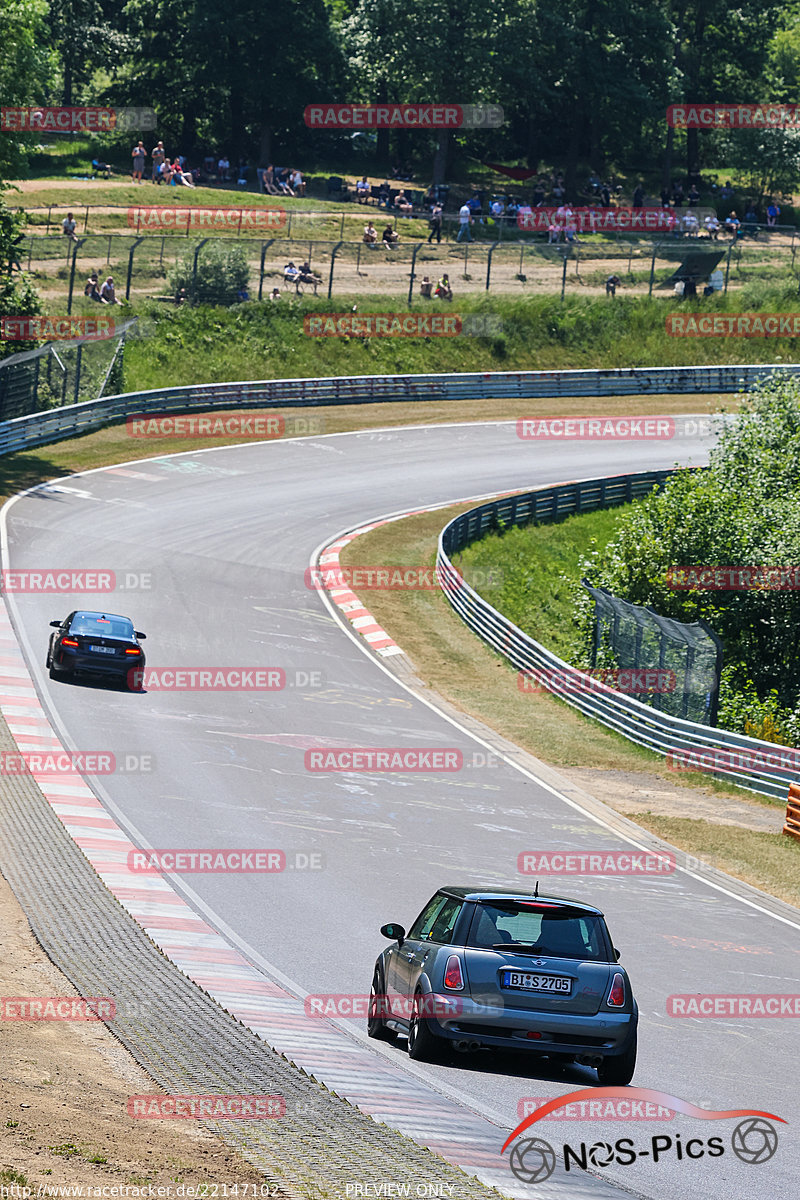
{"type": "Point", "coordinates": [25, 66]}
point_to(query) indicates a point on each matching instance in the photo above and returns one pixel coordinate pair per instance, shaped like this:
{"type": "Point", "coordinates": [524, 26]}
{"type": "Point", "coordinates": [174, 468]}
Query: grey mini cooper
{"type": "Point", "coordinates": [484, 969]}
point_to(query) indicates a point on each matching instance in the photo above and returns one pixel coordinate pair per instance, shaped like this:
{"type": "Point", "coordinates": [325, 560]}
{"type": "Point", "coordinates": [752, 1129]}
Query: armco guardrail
{"type": "Point", "coordinates": [40, 429]}
{"type": "Point", "coordinates": [759, 766]}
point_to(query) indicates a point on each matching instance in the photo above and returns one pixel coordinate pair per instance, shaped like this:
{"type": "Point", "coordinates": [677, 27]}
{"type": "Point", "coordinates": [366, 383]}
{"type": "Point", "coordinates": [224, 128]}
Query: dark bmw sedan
{"type": "Point", "coordinates": [97, 644]}
{"type": "Point", "coordinates": [507, 970]}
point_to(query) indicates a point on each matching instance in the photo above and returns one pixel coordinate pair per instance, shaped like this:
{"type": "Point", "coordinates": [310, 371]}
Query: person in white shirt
{"type": "Point", "coordinates": [296, 183]}
{"type": "Point", "coordinates": [464, 222]}
{"type": "Point", "coordinates": [107, 292]}
{"type": "Point", "coordinates": [68, 226]}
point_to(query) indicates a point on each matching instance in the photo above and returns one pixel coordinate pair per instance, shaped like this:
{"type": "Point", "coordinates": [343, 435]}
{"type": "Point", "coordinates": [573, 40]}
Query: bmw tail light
{"type": "Point", "coordinates": [69, 642]}
{"type": "Point", "coordinates": [616, 997]}
{"type": "Point", "coordinates": [133, 652]}
{"type": "Point", "coordinates": [453, 978]}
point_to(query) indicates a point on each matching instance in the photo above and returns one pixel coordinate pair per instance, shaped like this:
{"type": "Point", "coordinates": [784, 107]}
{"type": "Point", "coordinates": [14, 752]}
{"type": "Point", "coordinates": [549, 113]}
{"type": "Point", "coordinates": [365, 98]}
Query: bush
{"type": "Point", "coordinates": [221, 273]}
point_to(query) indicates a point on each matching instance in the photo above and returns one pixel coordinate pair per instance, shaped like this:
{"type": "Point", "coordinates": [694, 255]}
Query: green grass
{"type": "Point", "coordinates": [537, 573]}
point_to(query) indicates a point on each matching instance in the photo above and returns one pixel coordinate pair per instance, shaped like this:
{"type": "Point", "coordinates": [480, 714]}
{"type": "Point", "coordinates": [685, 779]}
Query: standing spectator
{"type": "Point", "coordinates": [138, 154]}
{"type": "Point", "coordinates": [665, 197]}
{"type": "Point", "coordinates": [297, 183]}
{"type": "Point", "coordinates": [538, 194]}
{"type": "Point", "coordinates": [107, 293]}
{"type": "Point", "coordinates": [158, 156]}
{"type": "Point", "coordinates": [464, 221]}
{"type": "Point", "coordinates": [773, 212]}
{"type": "Point", "coordinates": [68, 226]}
{"type": "Point", "coordinates": [224, 168]}
{"type": "Point", "coordinates": [677, 193]}
{"type": "Point", "coordinates": [435, 223]}
{"type": "Point", "coordinates": [638, 196]}
{"type": "Point", "coordinates": [694, 197]}
{"type": "Point", "coordinates": [612, 283]}
{"type": "Point", "coordinates": [727, 190]}
{"type": "Point", "coordinates": [605, 195]}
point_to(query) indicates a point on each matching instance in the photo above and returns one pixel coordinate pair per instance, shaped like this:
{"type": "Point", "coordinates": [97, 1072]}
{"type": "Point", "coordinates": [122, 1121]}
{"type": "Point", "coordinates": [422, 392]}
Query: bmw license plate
{"type": "Point", "coordinates": [527, 982]}
{"type": "Point", "coordinates": [104, 649]}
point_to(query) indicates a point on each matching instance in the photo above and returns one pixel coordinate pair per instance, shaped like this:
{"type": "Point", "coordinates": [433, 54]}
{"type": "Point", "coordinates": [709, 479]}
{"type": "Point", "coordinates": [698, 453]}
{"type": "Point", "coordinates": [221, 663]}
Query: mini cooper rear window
{"type": "Point", "coordinates": [558, 932]}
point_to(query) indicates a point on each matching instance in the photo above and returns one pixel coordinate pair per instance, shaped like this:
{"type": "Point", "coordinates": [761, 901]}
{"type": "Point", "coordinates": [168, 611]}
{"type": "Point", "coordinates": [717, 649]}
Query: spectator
{"type": "Point", "coordinates": [665, 198]}
{"type": "Point", "coordinates": [242, 295]}
{"type": "Point", "coordinates": [605, 195]}
{"type": "Point", "coordinates": [558, 191]}
{"type": "Point", "coordinates": [443, 290]}
{"type": "Point", "coordinates": [638, 196]}
{"type": "Point", "coordinates": [158, 155]}
{"type": "Point", "coordinates": [691, 224]}
{"type": "Point", "coordinates": [138, 154]}
{"type": "Point", "coordinates": [403, 203]}
{"type": "Point", "coordinates": [92, 289]}
{"type": "Point", "coordinates": [689, 289]}
{"type": "Point", "coordinates": [68, 227]}
{"type": "Point", "coordinates": [101, 168]}
{"type": "Point", "coordinates": [281, 182]}
{"type": "Point", "coordinates": [497, 208]}
{"type": "Point", "coordinates": [426, 288]}
{"type": "Point", "coordinates": [107, 293]}
{"type": "Point", "coordinates": [208, 164]}
{"type": "Point", "coordinates": [268, 180]}
{"type": "Point", "coordinates": [538, 194]}
{"type": "Point", "coordinates": [370, 234]}
{"type": "Point", "coordinates": [180, 296]}
{"type": "Point", "coordinates": [389, 237]}
{"type": "Point", "coordinates": [553, 233]}
{"type": "Point", "coordinates": [435, 224]}
{"type": "Point", "coordinates": [308, 276]}
{"type": "Point", "coordinates": [712, 226]}
{"type": "Point", "coordinates": [612, 283]}
{"type": "Point", "coordinates": [677, 193]}
{"type": "Point", "coordinates": [385, 194]}
{"type": "Point", "coordinates": [224, 168]}
{"type": "Point", "coordinates": [727, 190]}
{"type": "Point", "coordinates": [165, 172]}
{"type": "Point", "coordinates": [297, 183]}
{"type": "Point", "coordinates": [732, 224]}
{"type": "Point", "coordinates": [693, 197]}
{"type": "Point", "coordinates": [241, 172]}
{"type": "Point", "coordinates": [363, 190]}
{"type": "Point", "coordinates": [594, 182]}
{"type": "Point", "coordinates": [750, 221]}
{"type": "Point", "coordinates": [275, 295]}
{"type": "Point", "coordinates": [290, 273]}
{"type": "Point", "coordinates": [179, 176]}
{"type": "Point", "coordinates": [773, 212]}
{"type": "Point", "coordinates": [464, 222]}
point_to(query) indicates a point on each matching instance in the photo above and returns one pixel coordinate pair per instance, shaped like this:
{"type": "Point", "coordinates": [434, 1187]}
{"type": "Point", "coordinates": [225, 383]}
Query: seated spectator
{"type": "Point", "coordinates": [751, 221]}
{"type": "Point", "coordinates": [497, 208]}
{"type": "Point", "coordinates": [290, 273]}
{"type": "Point", "coordinates": [101, 168]}
{"type": "Point", "coordinates": [443, 289]}
{"type": "Point", "coordinates": [275, 295]}
{"type": "Point", "coordinates": [712, 226]}
{"type": "Point", "coordinates": [690, 224]}
{"type": "Point", "coordinates": [385, 194]}
{"type": "Point", "coordinates": [426, 288]}
{"type": "Point", "coordinates": [242, 295]}
{"type": "Point", "coordinates": [107, 293]}
{"type": "Point", "coordinates": [370, 234]}
{"type": "Point", "coordinates": [68, 227]}
{"type": "Point", "coordinates": [268, 180]}
{"type": "Point", "coordinates": [389, 237]}
{"type": "Point", "coordinates": [297, 183]}
{"type": "Point", "coordinates": [403, 204]}
{"type": "Point", "coordinates": [773, 212]}
{"type": "Point", "coordinates": [689, 289]}
{"type": "Point", "coordinates": [538, 194]}
{"type": "Point", "coordinates": [570, 230]}
{"type": "Point", "coordinates": [363, 190]}
{"type": "Point", "coordinates": [92, 288]}
{"type": "Point", "coordinates": [165, 173]}
{"type": "Point", "coordinates": [308, 276]}
{"type": "Point", "coordinates": [733, 224]}
{"type": "Point", "coordinates": [281, 181]}
{"type": "Point", "coordinates": [612, 283]}
{"type": "Point", "coordinates": [553, 233]}
{"type": "Point", "coordinates": [179, 176]}
{"type": "Point", "coordinates": [224, 168]}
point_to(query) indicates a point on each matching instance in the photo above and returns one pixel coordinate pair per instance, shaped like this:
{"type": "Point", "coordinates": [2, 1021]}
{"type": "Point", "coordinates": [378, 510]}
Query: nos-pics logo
{"type": "Point", "coordinates": [754, 1139]}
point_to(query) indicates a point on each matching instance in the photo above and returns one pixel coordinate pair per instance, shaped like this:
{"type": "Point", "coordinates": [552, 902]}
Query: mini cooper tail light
{"type": "Point", "coordinates": [616, 997]}
{"type": "Point", "coordinates": [453, 977]}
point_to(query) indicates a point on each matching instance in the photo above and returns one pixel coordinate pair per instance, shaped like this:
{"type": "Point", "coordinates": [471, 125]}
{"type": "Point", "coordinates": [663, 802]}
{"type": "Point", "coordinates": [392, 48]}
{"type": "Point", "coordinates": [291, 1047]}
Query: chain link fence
{"type": "Point", "coordinates": [61, 373]}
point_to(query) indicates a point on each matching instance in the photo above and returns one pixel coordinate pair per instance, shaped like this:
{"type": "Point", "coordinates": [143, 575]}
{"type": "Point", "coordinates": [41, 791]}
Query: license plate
{"type": "Point", "coordinates": [104, 649]}
{"type": "Point", "coordinates": [527, 982]}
